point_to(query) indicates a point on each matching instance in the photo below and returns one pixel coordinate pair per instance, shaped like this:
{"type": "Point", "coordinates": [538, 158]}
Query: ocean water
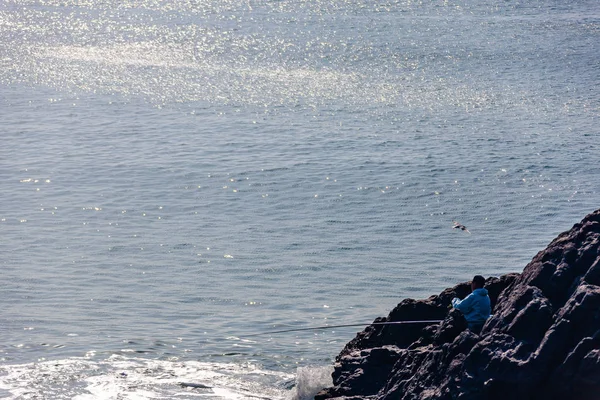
{"type": "Point", "coordinates": [177, 176]}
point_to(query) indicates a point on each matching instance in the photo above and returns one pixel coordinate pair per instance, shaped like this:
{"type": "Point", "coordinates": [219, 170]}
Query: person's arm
{"type": "Point", "coordinates": [464, 305]}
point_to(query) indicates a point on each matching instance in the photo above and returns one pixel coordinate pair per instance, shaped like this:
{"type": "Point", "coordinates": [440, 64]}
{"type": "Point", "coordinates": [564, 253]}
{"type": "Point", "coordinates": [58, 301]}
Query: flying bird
{"type": "Point", "coordinates": [460, 226]}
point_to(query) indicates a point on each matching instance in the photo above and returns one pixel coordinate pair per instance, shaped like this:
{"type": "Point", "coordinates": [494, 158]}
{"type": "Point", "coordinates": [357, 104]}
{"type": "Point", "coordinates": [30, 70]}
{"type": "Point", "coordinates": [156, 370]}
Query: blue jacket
{"type": "Point", "coordinates": [475, 307]}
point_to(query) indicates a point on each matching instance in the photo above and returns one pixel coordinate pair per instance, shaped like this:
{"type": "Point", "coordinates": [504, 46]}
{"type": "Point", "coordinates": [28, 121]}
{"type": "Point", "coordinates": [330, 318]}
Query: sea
{"type": "Point", "coordinates": [179, 179]}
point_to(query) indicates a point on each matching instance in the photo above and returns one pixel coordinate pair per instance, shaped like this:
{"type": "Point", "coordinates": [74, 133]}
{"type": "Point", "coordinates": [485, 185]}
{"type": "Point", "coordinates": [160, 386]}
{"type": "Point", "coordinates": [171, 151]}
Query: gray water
{"type": "Point", "coordinates": [176, 175]}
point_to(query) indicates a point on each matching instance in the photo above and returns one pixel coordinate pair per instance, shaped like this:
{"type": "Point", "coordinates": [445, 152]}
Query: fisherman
{"type": "Point", "coordinates": [476, 307]}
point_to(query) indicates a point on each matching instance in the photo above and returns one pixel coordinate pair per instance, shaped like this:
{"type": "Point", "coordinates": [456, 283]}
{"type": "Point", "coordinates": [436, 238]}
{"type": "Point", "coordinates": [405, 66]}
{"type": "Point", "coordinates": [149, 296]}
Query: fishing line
{"type": "Point", "coordinates": [433, 321]}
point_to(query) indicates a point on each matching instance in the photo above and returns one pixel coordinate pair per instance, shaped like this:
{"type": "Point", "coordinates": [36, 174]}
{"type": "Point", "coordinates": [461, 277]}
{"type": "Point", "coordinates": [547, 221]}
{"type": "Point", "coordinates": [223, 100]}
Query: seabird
{"type": "Point", "coordinates": [460, 226]}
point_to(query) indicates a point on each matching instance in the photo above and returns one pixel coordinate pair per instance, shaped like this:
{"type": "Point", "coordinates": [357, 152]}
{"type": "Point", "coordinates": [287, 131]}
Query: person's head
{"type": "Point", "coordinates": [477, 282]}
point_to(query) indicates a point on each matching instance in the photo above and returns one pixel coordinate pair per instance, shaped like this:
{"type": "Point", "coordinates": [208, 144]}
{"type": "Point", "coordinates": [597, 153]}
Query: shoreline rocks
{"type": "Point", "coordinates": [542, 341]}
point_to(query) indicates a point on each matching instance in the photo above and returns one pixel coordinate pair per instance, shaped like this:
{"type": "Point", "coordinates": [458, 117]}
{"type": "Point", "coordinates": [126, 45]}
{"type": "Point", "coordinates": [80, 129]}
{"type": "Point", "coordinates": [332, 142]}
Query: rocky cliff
{"type": "Point", "coordinates": [542, 342]}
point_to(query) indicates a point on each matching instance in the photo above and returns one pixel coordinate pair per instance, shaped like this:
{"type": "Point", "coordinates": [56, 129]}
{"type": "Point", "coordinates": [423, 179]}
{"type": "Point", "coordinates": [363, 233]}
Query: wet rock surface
{"type": "Point", "coordinates": [542, 341]}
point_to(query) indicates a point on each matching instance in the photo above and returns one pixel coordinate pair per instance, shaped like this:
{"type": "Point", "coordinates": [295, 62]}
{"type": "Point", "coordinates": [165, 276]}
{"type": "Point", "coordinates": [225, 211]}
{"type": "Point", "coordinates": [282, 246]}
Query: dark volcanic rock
{"type": "Point", "coordinates": [542, 342]}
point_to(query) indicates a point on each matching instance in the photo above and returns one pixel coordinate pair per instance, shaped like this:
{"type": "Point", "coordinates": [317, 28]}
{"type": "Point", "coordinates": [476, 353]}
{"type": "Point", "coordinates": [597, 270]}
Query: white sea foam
{"type": "Point", "coordinates": [311, 380]}
{"type": "Point", "coordinates": [137, 378]}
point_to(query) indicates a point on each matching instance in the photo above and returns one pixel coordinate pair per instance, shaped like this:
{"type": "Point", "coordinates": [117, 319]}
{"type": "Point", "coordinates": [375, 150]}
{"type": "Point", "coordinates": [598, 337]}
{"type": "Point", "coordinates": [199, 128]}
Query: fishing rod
{"type": "Point", "coordinates": [432, 321]}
